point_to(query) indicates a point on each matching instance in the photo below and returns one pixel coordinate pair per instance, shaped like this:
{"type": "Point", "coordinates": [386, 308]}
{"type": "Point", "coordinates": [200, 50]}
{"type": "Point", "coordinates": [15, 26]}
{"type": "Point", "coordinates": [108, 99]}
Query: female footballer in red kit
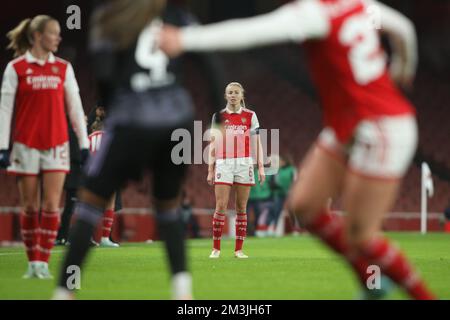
{"type": "Point", "coordinates": [231, 165]}
{"type": "Point", "coordinates": [37, 86]}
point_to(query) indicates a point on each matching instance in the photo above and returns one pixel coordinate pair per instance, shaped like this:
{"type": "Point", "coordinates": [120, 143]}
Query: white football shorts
{"type": "Point", "coordinates": [380, 148]}
{"type": "Point", "coordinates": [238, 171]}
{"type": "Point", "coordinates": [30, 161]}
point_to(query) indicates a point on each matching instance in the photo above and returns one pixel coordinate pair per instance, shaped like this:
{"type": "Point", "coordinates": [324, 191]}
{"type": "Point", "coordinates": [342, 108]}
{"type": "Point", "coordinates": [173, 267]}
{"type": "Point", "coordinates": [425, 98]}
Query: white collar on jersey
{"type": "Point", "coordinates": [237, 111]}
{"type": "Point", "coordinates": [32, 59]}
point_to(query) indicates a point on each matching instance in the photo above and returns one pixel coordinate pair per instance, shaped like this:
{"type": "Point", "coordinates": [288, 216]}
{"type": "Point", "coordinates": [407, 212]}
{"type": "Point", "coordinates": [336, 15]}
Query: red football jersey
{"type": "Point", "coordinates": [349, 69]}
{"type": "Point", "coordinates": [38, 91]}
{"type": "Point", "coordinates": [95, 139]}
{"type": "Point", "coordinates": [40, 116]}
{"type": "Point", "coordinates": [238, 127]}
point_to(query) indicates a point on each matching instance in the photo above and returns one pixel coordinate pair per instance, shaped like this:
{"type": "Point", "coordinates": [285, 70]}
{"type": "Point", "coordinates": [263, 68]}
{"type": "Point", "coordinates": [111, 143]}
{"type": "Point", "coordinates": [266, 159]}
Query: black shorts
{"type": "Point", "coordinates": [126, 152]}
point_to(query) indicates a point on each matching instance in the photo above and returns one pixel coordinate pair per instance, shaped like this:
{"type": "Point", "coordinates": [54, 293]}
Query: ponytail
{"type": "Point", "coordinates": [19, 38]}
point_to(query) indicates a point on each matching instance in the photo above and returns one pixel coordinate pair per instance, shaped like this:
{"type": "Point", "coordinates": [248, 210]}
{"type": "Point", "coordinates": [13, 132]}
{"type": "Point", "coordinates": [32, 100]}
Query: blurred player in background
{"type": "Point", "coordinates": [231, 165]}
{"type": "Point", "coordinates": [95, 140]}
{"type": "Point", "coordinates": [37, 86]}
{"type": "Point", "coordinates": [72, 183]}
{"type": "Point", "coordinates": [140, 87]}
{"type": "Point", "coordinates": [260, 201]}
{"type": "Point", "coordinates": [99, 114]}
{"type": "Point", "coordinates": [280, 184]}
{"type": "Point", "coordinates": [370, 133]}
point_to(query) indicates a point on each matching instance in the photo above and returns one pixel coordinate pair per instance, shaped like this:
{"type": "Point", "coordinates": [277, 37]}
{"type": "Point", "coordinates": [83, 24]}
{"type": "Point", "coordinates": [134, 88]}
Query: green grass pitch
{"type": "Point", "coordinates": [277, 268]}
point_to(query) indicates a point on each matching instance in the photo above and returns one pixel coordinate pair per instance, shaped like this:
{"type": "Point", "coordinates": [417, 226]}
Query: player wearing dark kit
{"type": "Point", "coordinates": [141, 88]}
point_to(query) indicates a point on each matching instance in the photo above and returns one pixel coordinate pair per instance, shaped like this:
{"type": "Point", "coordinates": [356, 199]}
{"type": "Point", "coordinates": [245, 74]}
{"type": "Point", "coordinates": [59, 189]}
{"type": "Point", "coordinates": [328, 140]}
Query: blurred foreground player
{"type": "Point", "coordinates": [145, 102]}
{"type": "Point", "coordinates": [370, 130]}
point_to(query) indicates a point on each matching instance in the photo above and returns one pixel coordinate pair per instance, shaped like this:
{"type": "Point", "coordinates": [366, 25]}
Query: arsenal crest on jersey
{"type": "Point", "coordinates": [55, 69]}
{"type": "Point", "coordinates": [244, 120]}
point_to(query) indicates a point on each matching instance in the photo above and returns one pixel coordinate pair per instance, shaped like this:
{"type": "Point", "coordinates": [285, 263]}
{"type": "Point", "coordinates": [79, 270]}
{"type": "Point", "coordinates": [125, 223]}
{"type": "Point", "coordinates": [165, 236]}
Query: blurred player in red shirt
{"type": "Point", "coordinates": [231, 165]}
{"type": "Point", "coordinates": [95, 139]}
{"type": "Point", "coordinates": [37, 86]}
{"type": "Point", "coordinates": [370, 132]}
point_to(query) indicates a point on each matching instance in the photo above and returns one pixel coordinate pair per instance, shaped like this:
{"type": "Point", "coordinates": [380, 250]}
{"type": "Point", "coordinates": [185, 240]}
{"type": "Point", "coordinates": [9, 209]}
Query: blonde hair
{"type": "Point", "coordinates": [237, 84]}
{"type": "Point", "coordinates": [21, 37]}
{"type": "Point", "coordinates": [122, 20]}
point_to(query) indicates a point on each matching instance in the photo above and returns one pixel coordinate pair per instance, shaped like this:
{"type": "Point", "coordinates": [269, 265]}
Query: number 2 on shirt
{"type": "Point", "coordinates": [366, 60]}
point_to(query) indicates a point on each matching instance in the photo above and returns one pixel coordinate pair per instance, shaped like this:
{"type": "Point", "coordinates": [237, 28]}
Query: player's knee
{"type": "Point", "coordinates": [30, 204]}
{"type": "Point", "coordinates": [299, 207]}
{"type": "Point", "coordinates": [221, 205]}
{"type": "Point", "coordinates": [241, 207]}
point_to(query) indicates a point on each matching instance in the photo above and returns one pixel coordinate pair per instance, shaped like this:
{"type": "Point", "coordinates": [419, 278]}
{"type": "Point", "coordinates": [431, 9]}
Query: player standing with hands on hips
{"type": "Point", "coordinates": [36, 86]}
{"type": "Point", "coordinates": [370, 131]}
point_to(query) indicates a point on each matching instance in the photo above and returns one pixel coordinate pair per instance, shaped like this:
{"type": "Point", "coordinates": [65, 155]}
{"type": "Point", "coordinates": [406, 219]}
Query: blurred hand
{"type": "Point", "coordinates": [170, 41]}
{"type": "Point", "coordinates": [403, 81]}
{"type": "Point", "coordinates": [261, 175]}
{"type": "Point", "coordinates": [400, 75]}
{"type": "Point", "coordinates": [4, 159]}
{"type": "Point", "coordinates": [210, 177]}
{"type": "Point", "coordinates": [84, 156]}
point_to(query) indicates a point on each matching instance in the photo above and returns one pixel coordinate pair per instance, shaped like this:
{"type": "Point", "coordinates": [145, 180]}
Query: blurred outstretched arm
{"type": "Point", "coordinates": [402, 36]}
